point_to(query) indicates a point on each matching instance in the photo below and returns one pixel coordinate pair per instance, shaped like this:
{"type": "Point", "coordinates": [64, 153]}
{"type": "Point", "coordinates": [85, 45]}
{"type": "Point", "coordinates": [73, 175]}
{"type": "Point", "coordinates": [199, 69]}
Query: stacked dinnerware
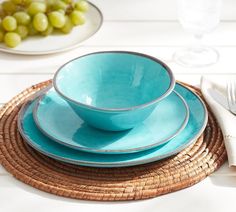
{"type": "Point", "coordinates": [112, 109]}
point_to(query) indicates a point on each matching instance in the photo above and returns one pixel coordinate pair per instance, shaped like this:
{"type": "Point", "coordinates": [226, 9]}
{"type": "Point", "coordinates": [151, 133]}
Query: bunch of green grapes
{"type": "Point", "coordinates": [22, 18]}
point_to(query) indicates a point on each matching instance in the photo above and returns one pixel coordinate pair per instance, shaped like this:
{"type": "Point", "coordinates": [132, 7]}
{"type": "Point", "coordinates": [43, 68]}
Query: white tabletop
{"type": "Point", "coordinates": [144, 26]}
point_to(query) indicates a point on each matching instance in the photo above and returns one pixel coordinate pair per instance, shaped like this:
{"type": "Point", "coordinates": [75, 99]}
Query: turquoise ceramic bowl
{"type": "Point", "coordinates": [114, 90]}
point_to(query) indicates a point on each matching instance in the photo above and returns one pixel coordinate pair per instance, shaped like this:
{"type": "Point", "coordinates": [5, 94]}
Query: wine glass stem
{"type": "Point", "coordinates": [198, 42]}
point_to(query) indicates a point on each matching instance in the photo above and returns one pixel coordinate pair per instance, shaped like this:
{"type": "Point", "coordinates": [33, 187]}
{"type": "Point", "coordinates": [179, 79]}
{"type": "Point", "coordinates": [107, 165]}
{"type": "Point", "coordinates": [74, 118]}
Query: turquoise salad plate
{"type": "Point", "coordinates": [36, 139]}
{"type": "Point", "coordinates": [57, 120]}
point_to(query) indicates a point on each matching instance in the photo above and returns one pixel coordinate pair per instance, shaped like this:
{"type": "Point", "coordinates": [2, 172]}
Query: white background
{"type": "Point", "coordinates": [150, 27]}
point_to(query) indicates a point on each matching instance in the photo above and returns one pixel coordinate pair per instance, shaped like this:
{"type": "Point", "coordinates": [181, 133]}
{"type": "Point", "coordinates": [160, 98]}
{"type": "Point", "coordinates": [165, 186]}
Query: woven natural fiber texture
{"type": "Point", "coordinates": [139, 182]}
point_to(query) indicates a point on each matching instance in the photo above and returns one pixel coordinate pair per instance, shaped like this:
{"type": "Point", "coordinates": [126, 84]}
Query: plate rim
{"type": "Point", "coordinates": [60, 50]}
{"type": "Point", "coordinates": [106, 164]}
{"type": "Point", "coordinates": [100, 151]}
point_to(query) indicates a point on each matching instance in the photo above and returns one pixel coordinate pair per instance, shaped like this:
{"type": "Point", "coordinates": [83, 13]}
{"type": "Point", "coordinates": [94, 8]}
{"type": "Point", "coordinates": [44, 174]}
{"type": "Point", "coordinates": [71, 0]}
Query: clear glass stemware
{"type": "Point", "coordinates": [198, 17]}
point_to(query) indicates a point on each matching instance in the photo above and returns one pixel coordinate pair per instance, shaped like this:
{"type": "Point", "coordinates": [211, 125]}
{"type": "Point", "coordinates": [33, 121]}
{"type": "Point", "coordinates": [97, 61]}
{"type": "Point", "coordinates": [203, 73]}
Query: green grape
{"type": "Point", "coordinates": [1, 36]}
{"type": "Point", "coordinates": [9, 23]}
{"type": "Point", "coordinates": [32, 31]}
{"type": "Point", "coordinates": [1, 27]}
{"type": "Point", "coordinates": [2, 13]}
{"type": "Point", "coordinates": [57, 19]}
{"type": "Point", "coordinates": [77, 18]}
{"type": "Point", "coordinates": [17, 1]}
{"type": "Point", "coordinates": [40, 22]}
{"type": "Point", "coordinates": [67, 28]}
{"type": "Point", "coordinates": [22, 18]}
{"type": "Point", "coordinates": [50, 3]}
{"type": "Point", "coordinates": [37, 7]}
{"type": "Point", "coordinates": [58, 4]}
{"type": "Point", "coordinates": [9, 7]}
{"type": "Point", "coordinates": [26, 2]}
{"type": "Point", "coordinates": [68, 1]}
{"type": "Point", "coordinates": [12, 39]}
{"type": "Point", "coordinates": [61, 11]}
{"type": "Point", "coordinates": [48, 31]}
{"type": "Point", "coordinates": [22, 31]}
{"type": "Point", "coordinates": [82, 6]}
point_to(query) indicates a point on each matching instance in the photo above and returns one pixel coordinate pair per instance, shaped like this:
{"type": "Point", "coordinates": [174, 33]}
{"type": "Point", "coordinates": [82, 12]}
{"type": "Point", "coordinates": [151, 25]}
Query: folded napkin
{"type": "Point", "coordinates": [215, 94]}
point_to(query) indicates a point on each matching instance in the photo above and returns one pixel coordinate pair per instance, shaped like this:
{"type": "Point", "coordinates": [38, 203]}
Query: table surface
{"type": "Point", "coordinates": [145, 30]}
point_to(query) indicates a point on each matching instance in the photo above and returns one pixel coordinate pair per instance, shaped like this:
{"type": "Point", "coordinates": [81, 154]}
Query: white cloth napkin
{"type": "Point", "coordinates": [215, 94]}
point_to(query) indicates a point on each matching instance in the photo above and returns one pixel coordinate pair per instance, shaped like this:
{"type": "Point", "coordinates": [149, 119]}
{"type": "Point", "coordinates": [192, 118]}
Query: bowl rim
{"type": "Point", "coordinates": [167, 92]}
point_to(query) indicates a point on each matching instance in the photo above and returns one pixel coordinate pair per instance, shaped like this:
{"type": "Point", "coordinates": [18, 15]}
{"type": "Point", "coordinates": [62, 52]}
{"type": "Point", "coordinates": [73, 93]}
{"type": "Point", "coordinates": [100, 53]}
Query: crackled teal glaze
{"type": "Point", "coordinates": [58, 121]}
{"type": "Point", "coordinates": [114, 90]}
{"type": "Point", "coordinates": [196, 125]}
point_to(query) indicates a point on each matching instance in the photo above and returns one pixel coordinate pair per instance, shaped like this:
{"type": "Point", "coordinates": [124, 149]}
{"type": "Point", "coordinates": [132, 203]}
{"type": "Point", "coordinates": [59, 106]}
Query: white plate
{"type": "Point", "coordinates": [37, 45]}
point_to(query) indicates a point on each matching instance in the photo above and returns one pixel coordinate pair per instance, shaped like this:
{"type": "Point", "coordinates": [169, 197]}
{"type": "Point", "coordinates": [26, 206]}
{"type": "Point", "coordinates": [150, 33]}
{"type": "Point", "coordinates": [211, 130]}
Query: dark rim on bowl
{"type": "Point", "coordinates": [168, 91]}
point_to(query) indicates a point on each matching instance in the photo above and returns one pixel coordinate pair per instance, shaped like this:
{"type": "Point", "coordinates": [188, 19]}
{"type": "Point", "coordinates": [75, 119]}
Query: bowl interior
{"type": "Point", "coordinates": [113, 80]}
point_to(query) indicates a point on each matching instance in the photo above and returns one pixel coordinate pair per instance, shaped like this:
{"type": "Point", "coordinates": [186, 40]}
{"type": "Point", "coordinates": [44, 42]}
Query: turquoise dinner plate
{"type": "Point", "coordinates": [35, 138]}
{"type": "Point", "coordinates": [55, 118]}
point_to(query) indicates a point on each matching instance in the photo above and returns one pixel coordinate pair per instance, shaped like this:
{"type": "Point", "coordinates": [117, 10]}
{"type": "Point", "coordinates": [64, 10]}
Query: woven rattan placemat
{"type": "Point", "coordinates": [139, 182]}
